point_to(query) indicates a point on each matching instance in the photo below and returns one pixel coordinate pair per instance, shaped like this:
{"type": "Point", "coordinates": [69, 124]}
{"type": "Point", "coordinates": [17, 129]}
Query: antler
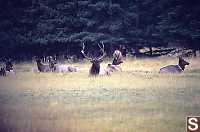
{"type": "Point", "coordinates": [82, 51]}
{"type": "Point", "coordinates": [102, 50]}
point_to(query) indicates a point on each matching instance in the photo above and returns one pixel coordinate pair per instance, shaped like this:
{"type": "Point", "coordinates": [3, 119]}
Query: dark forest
{"type": "Point", "coordinates": [59, 27]}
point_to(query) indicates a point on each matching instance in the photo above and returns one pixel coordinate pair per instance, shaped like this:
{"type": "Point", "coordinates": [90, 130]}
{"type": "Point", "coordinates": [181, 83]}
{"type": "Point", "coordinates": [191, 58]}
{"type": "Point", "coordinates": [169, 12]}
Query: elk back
{"type": "Point", "coordinates": [171, 69]}
{"type": "Point", "coordinates": [64, 68]}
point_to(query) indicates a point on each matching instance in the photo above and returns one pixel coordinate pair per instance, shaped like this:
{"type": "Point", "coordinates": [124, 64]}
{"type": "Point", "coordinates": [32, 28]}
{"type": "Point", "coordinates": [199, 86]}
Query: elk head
{"type": "Point", "coordinates": [182, 63]}
{"type": "Point", "coordinates": [95, 68]}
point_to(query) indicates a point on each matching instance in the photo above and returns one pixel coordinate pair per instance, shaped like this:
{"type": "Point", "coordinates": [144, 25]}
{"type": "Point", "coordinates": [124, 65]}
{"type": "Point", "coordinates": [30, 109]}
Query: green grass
{"type": "Point", "coordinates": [135, 100]}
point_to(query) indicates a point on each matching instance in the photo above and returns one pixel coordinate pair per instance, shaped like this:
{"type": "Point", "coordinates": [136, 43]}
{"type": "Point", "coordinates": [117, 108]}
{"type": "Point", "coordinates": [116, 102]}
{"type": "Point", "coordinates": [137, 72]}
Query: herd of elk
{"type": "Point", "coordinates": [95, 69]}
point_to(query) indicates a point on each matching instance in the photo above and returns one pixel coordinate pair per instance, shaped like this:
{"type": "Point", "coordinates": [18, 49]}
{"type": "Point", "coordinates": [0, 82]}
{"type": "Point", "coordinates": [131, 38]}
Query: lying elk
{"type": "Point", "coordinates": [63, 68]}
{"type": "Point", "coordinates": [60, 67]}
{"type": "Point", "coordinates": [2, 72]}
{"type": "Point", "coordinates": [95, 68]}
{"type": "Point", "coordinates": [175, 68]}
{"type": "Point", "coordinates": [118, 58]}
{"type": "Point", "coordinates": [7, 69]}
{"type": "Point", "coordinates": [113, 68]}
{"type": "Point", "coordinates": [42, 67]}
{"type": "Point", "coordinates": [9, 65]}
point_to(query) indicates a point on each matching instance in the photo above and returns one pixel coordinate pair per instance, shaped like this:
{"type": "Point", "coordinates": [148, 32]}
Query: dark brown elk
{"type": "Point", "coordinates": [52, 63]}
{"type": "Point", "coordinates": [175, 68]}
{"type": "Point", "coordinates": [118, 58]}
{"type": "Point", "coordinates": [2, 72]}
{"type": "Point", "coordinates": [8, 65]}
{"type": "Point", "coordinates": [95, 68]}
{"type": "Point", "coordinates": [8, 68]}
{"type": "Point", "coordinates": [42, 67]}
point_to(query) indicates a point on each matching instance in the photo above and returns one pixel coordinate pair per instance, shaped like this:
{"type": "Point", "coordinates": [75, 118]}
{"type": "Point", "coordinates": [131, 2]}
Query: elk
{"type": "Point", "coordinates": [42, 67]}
{"type": "Point", "coordinates": [175, 68]}
{"type": "Point", "coordinates": [95, 68]}
{"type": "Point", "coordinates": [118, 58]}
{"type": "Point", "coordinates": [8, 65]}
{"type": "Point", "coordinates": [63, 68]}
{"type": "Point", "coordinates": [8, 68]}
{"type": "Point", "coordinates": [113, 68]}
{"type": "Point", "coordinates": [2, 71]}
{"type": "Point", "coordinates": [60, 67]}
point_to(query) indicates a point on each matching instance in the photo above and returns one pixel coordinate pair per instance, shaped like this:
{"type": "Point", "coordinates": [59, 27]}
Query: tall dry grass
{"type": "Point", "coordinates": [137, 99]}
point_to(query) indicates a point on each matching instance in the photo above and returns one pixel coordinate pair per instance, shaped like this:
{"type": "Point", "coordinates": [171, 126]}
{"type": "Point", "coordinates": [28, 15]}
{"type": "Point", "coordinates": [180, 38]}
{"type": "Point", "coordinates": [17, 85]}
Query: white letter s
{"type": "Point", "coordinates": [192, 124]}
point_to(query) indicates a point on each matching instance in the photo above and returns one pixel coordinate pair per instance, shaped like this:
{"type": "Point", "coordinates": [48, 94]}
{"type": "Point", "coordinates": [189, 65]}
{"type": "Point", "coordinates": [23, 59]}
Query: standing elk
{"type": "Point", "coordinates": [95, 68]}
{"type": "Point", "coordinates": [60, 67]}
{"type": "Point", "coordinates": [175, 68]}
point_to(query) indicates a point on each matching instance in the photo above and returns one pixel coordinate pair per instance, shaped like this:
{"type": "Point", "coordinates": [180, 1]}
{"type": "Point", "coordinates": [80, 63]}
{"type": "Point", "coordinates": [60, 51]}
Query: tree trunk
{"type": "Point", "coordinates": [150, 49]}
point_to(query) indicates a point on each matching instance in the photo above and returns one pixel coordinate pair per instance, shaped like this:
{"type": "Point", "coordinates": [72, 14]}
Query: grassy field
{"type": "Point", "coordinates": [135, 100]}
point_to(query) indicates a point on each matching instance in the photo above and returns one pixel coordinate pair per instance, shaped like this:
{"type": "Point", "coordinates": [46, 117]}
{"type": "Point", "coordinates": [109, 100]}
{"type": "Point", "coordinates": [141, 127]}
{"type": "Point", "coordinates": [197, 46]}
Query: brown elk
{"type": "Point", "coordinates": [7, 69]}
{"type": "Point", "coordinates": [61, 68]}
{"type": "Point", "coordinates": [113, 68]}
{"type": "Point", "coordinates": [95, 68]}
{"type": "Point", "coordinates": [42, 67]}
{"type": "Point", "coordinates": [2, 71]}
{"type": "Point", "coordinates": [175, 68]}
{"type": "Point", "coordinates": [8, 65]}
{"type": "Point", "coordinates": [118, 58]}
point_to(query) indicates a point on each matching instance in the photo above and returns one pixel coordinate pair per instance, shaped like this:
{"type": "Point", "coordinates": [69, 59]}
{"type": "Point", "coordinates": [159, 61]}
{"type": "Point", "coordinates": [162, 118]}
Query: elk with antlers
{"type": "Point", "coordinates": [95, 68]}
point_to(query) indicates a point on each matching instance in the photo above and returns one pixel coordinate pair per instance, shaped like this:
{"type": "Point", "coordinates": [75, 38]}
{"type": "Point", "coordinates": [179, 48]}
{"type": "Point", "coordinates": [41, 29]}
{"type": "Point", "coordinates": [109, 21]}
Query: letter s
{"type": "Point", "coordinates": [192, 124]}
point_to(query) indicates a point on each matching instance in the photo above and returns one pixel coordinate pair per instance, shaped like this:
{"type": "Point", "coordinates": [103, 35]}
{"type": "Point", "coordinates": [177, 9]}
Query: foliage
{"type": "Point", "coordinates": [132, 23]}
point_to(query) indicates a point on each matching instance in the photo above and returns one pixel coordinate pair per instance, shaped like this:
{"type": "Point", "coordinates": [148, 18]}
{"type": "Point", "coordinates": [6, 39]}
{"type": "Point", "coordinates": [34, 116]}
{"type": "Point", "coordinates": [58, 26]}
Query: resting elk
{"type": "Point", "coordinates": [7, 69]}
{"type": "Point", "coordinates": [42, 67]}
{"type": "Point", "coordinates": [95, 68]}
{"type": "Point", "coordinates": [118, 58]}
{"type": "Point", "coordinates": [61, 68]}
{"type": "Point", "coordinates": [175, 68]}
{"type": "Point", "coordinates": [2, 71]}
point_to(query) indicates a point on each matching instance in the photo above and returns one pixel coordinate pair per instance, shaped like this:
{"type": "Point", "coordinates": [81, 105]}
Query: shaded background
{"type": "Point", "coordinates": [58, 27]}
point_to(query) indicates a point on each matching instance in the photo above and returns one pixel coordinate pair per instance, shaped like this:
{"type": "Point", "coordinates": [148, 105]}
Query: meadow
{"type": "Point", "coordinates": [139, 99]}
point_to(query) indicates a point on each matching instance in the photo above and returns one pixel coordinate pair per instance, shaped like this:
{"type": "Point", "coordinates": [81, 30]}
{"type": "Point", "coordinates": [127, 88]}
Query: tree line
{"type": "Point", "coordinates": [57, 27]}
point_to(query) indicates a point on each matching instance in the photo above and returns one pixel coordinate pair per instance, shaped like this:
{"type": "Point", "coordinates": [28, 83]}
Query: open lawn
{"type": "Point", "coordinates": [135, 100]}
